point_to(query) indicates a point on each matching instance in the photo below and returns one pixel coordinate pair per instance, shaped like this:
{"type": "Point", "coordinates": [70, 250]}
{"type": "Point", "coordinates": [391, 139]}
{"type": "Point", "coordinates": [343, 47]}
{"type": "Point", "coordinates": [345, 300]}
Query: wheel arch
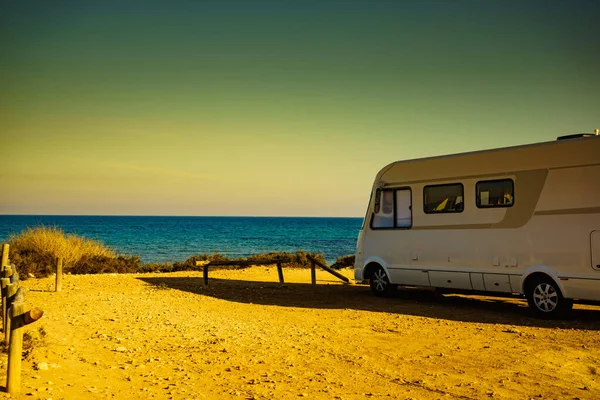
{"type": "Point", "coordinates": [371, 264]}
{"type": "Point", "coordinates": [541, 271]}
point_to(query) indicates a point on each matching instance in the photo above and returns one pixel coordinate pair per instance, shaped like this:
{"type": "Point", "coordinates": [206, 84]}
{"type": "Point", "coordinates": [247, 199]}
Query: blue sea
{"type": "Point", "coordinates": [168, 239]}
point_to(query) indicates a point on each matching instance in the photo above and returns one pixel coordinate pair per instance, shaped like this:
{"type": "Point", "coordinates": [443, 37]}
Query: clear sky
{"type": "Point", "coordinates": [273, 108]}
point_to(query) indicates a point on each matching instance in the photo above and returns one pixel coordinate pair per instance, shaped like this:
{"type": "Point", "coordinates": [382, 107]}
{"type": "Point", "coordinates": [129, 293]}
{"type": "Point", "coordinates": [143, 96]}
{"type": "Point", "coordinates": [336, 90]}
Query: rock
{"type": "Point", "coordinates": [121, 349]}
{"type": "Point", "coordinates": [43, 366]}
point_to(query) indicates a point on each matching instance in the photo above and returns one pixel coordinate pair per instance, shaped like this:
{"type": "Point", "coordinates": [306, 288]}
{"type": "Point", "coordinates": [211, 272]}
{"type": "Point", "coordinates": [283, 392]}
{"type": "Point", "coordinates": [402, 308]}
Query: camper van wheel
{"type": "Point", "coordinates": [545, 298]}
{"type": "Point", "coordinates": [380, 283]}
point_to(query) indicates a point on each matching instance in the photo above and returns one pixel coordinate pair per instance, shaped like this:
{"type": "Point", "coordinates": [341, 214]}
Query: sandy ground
{"type": "Point", "coordinates": [167, 336]}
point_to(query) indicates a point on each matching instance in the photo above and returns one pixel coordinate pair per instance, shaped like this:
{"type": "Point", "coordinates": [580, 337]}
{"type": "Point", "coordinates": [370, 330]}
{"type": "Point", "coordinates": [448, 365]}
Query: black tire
{"type": "Point", "coordinates": [545, 299]}
{"type": "Point", "coordinates": [380, 283]}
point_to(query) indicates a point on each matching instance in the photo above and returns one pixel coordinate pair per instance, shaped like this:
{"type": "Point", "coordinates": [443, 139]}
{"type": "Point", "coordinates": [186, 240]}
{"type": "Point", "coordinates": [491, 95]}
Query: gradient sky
{"type": "Point", "coordinates": [273, 108]}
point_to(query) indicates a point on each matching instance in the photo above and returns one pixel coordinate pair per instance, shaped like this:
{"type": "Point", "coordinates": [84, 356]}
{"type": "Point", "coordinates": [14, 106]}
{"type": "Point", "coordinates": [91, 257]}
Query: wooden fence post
{"type": "Point", "coordinates": [205, 273]}
{"type": "Point", "coordinates": [280, 273]}
{"type": "Point", "coordinates": [19, 318]}
{"type": "Point", "coordinates": [5, 249]}
{"type": "Point", "coordinates": [11, 291]}
{"type": "Point", "coordinates": [4, 282]}
{"type": "Point", "coordinates": [13, 378]}
{"type": "Point", "coordinates": [7, 272]}
{"type": "Point", "coordinates": [313, 273]}
{"type": "Point", "coordinates": [14, 276]}
{"type": "Point", "coordinates": [59, 265]}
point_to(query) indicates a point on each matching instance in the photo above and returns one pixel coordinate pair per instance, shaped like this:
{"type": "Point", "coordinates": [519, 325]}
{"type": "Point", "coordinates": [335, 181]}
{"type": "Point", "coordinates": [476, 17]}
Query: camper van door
{"type": "Point", "coordinates": [595, 244]}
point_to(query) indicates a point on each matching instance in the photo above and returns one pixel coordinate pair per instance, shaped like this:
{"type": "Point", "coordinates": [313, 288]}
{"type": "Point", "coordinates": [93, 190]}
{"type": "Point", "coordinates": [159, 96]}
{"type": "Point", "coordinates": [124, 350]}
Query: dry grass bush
{"type": "Point", "coordinates": [54, 241]}
{"type": "Point", "coordinates": [34, 251]}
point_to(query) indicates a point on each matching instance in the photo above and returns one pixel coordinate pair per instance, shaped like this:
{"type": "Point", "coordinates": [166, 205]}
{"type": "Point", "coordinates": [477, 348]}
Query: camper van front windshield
{"type": "Point", "coordinates": [384, 209]}
{"type": "Point", "coordinates": [368, 208]}
{"type": "Point", "coordinates": [393, 209]}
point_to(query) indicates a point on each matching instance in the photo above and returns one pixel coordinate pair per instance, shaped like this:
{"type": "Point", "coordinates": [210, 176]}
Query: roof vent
{"type": "Point", "coordinates": [578, 135]}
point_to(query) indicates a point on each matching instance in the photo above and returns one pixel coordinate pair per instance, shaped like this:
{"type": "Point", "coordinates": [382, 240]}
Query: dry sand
{"type": "Point", "coordinates": [166, 336]}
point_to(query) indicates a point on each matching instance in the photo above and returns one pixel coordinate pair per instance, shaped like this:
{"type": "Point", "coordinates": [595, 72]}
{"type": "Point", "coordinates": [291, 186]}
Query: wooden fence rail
{"type": "Point", "coordinates": [333, 272]}
{"type": "Point", "coordinates": [278, 261]}
{"type": "Point", "coordinates": [14, 318]}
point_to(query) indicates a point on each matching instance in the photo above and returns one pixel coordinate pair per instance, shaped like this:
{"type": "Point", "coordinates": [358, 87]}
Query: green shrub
{"type": "Point", "coordinates": [155, 267]}
{"type": "Point", "coordinates": [106, 265]}
{"type": "Point", "coordinates": [190, 263]}
{"type": "Point", "coordinates": [344, 262]}
{"type": "Point", "coordinates": [299, 258]}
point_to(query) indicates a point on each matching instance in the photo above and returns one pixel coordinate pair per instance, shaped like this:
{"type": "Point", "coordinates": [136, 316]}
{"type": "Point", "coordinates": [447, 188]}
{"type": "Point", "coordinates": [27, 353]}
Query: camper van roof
{"type": "Point", "coordinates": [576, 135]}
{"type": "Point", "coordinates": [582, 150]}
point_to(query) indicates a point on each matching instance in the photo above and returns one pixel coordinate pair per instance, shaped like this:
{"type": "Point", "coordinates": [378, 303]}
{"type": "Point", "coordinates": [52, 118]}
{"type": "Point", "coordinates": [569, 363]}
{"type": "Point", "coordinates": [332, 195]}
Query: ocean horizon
{"type": "Point", "coordinates": [165, 239]}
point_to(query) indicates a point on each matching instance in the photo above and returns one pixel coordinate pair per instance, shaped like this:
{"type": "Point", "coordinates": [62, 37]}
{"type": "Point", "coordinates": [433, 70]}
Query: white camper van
{"type": "Point", "coordinates": [517, 220]}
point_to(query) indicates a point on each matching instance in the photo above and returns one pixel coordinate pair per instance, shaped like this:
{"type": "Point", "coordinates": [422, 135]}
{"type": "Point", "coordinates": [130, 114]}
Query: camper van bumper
{"type": "Point", "coordinates": [359, 266]}
{"type": "Point", "coordinates": [358, 274]}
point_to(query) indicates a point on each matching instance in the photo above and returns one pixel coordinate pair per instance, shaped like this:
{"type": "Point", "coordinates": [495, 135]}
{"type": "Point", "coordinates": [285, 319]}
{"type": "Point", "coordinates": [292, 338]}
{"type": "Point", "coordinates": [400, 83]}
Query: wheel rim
{"type": "Point", "coordinates": [545, 297]}
{"type": "Point", "coordinates": [380, 280]}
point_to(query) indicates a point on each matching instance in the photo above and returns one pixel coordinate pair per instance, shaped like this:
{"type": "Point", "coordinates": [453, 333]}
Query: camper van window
{"type": "Point", "coordinates": [498, 193]}
{"type": "Point", "coordinates": [383, 216]}
{"type": "Point", "coordinates": [446, 198]}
